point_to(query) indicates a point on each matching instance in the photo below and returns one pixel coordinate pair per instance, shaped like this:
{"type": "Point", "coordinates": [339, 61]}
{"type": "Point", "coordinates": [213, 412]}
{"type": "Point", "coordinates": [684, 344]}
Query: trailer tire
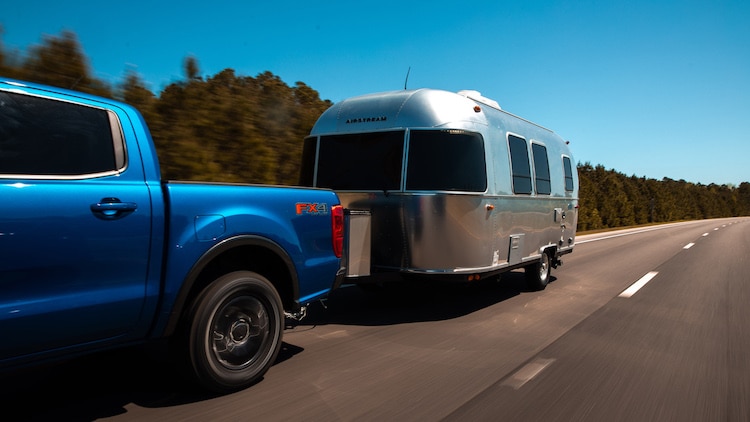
{"type": "Point", "coordinates": [234, 333]}
{"type": "Point", "coordinates": [538, 274]}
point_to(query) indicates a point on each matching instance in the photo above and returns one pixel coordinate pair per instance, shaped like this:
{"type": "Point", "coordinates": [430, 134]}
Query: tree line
{"type": "Point", "coordinates": [611, 199]}
{"type": "Point", "coordinates": [233, 128]}
{"type": "Point", "coordinates": [223, 128]}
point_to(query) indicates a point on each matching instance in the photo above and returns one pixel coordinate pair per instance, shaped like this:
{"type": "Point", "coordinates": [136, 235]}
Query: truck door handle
{"type": "Point", "coordinates": [112, 208]}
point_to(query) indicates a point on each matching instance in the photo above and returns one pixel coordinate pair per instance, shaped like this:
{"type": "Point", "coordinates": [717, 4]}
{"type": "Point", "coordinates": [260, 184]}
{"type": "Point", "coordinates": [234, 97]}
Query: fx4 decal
{"type": "Point", "coordinates": [312, 208]}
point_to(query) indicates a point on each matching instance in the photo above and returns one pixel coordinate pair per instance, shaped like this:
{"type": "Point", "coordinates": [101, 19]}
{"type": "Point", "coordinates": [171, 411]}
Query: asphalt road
{"type": "Point", "coordinates": [588, 348]}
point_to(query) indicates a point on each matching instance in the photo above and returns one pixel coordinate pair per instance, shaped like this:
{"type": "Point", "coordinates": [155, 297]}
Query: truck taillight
{"type": "Point", "coordinates": [337, 215]}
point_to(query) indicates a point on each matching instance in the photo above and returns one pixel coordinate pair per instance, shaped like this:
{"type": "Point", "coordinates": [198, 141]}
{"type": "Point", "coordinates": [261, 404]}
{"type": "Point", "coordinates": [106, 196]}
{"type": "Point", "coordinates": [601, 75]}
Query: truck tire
{"type": "Point", "coordinates": [538, 274]}
{"type": "Point", "coordinates": [235, 331]}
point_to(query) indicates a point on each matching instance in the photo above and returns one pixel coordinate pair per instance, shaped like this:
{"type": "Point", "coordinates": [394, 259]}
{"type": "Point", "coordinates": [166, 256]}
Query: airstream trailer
{"type": "Point", "coordinates": [444, 184]}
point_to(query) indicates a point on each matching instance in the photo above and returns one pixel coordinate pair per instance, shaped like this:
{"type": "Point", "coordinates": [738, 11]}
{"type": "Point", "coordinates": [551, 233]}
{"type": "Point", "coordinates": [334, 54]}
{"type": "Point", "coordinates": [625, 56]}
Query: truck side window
{"type": "Point", "coordinates": [45, 137]}
{"type": "Point", "coordinates": [519, 160]}
{"type": "Point", "coordinates": [541, 169]}
{"type": "Point", "coordinates": [567, 166]}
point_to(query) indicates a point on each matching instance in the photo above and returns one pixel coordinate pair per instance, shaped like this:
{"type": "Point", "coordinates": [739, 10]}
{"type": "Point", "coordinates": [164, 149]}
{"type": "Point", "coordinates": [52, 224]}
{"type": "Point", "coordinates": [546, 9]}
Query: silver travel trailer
{"type": "Point", "coordinates": [444, 184]}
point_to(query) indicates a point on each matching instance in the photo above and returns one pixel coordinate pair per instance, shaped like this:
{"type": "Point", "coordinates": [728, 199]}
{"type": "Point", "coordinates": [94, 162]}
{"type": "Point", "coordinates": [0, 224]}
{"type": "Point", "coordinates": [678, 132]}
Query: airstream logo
{"type": "Point", "coordinates": [367, 119]}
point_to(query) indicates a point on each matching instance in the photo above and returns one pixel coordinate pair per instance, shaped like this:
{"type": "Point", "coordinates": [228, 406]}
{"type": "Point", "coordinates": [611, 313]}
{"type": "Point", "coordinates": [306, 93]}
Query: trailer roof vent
{"type": "Point", "coordinates": [477, 96]}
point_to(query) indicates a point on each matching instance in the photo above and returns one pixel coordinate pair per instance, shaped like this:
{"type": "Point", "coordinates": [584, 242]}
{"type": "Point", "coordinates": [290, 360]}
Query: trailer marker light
{"type": "Point", "coordinates": [337, 229]}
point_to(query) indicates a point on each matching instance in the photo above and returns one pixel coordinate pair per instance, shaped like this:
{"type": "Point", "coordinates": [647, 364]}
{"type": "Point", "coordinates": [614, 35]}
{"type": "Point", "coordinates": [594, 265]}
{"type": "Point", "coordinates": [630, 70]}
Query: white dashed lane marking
{"type": "Point", "coordinates": [527, 373]}
{"type": "Point", "coordinates": [630, 291]}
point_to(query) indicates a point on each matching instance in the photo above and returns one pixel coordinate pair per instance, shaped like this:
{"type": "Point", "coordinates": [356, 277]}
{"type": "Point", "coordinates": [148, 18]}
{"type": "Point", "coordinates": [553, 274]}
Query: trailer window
{"type": "Point", "coordinates": [541, 169]}
{"type": "Point", "coordinates": [363, 161]}
{"type": "Point", "coordinates": [519, 160]}
{"type": "Point", "coordinates": [307, 168]}
{"type": "Point", "coordinates": [447, 160]}
{"type": "Point", "coordinates": [568, 167]}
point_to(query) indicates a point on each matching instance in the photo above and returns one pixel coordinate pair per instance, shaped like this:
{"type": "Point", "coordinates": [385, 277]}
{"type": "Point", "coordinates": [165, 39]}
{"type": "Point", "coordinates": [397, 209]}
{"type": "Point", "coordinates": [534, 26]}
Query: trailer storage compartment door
{"type": "Point", "coordinates": [357, 243]}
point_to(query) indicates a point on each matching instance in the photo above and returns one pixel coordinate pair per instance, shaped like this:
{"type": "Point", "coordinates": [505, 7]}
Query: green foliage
{"type": "Point", "coordinates": [224, 128]}
{"type": "Point", "coordinates": [60, 62]}
{"type": "Point", "coordinates": [230, 128]}
{"type": "Point", "coordinates": [610, 199]}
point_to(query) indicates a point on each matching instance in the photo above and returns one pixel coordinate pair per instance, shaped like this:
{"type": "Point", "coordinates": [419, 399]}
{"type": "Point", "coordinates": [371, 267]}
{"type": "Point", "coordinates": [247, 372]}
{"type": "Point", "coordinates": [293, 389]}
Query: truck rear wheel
{"type": "Point", "coordinates": [235, 331]}
{"type": "Point", "coordinates": [537, 275]}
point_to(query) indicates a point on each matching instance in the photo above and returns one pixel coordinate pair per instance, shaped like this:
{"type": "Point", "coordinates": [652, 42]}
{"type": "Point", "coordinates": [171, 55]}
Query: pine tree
{"type": "Point", "coordinates": [59, 61]}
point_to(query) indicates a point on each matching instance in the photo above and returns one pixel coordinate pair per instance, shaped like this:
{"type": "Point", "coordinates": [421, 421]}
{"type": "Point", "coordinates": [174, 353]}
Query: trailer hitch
{"type": "Point", "coordinates": [298, 315]}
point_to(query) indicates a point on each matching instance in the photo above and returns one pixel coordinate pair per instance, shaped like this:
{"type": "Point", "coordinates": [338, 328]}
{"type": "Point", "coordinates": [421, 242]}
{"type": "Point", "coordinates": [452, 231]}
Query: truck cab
{"type": "Point", "coordinates": [97, 251]}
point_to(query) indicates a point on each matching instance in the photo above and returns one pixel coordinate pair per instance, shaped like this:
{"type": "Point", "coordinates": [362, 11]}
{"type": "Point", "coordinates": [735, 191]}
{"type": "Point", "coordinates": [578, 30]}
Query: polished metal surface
{"type": "Point", "coordinates": [454, 232]}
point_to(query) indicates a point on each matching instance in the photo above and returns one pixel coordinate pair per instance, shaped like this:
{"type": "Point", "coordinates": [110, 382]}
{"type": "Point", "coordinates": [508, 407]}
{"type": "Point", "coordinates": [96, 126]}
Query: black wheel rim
{"type": "Point", "coordinates": [239, 332]}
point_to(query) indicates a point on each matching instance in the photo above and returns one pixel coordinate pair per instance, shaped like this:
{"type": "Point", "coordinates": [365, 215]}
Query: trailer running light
{"type": "Point", "coordinates": [337, 229]}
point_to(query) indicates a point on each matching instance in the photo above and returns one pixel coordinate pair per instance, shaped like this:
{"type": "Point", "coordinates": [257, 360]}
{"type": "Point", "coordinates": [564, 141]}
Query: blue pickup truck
{"type": "Point", "coordinates": [96, 251]}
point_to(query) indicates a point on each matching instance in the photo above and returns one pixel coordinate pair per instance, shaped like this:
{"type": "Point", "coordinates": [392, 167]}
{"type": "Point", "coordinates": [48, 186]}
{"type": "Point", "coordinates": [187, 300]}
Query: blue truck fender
{"type": "Point", "coordinates": [198, 277]}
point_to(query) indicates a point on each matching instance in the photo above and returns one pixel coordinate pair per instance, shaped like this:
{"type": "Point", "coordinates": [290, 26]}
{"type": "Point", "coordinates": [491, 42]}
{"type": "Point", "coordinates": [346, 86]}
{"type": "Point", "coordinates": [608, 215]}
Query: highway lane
{"type": "Point", "coordinates": [675, 350]}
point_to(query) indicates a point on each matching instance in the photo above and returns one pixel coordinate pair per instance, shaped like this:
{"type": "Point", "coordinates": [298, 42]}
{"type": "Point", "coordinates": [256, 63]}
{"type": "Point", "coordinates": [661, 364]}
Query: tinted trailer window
{"type": "Point", "coordinates": [363, 161]}
{"type": "Point", "coordinates": [446, 160]}
{"type": "Point", "coordinates": [438, 160]}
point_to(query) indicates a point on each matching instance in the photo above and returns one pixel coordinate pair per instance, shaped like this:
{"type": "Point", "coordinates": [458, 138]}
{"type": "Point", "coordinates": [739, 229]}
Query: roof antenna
{"type": "Point", "coordinates": [407, 77]}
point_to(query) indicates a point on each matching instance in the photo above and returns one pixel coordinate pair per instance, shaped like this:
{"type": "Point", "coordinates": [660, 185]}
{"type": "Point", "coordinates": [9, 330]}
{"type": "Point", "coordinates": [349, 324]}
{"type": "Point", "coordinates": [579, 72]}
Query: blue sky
{"type": "Point", "coordinates": [646, 87]}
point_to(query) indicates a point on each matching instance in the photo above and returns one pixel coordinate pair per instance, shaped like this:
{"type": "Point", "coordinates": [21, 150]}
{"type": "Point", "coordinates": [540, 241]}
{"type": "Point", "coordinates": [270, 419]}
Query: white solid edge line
{"type": "Point", "coordinates": [630, 291]}
{"type": "Point", "coordinates": [626, 233]}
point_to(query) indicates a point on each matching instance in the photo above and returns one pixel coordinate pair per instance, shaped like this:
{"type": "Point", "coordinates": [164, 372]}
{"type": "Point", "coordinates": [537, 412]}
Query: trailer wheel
{"type": "Point", "coordinates": [537, 275]}
{"type": "Point", "coordinates": [235, 331]}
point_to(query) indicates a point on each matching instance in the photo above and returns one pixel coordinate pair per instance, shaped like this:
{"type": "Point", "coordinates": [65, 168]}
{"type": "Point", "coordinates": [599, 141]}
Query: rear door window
{"type": "Point", "coordinates": [43, 137]}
